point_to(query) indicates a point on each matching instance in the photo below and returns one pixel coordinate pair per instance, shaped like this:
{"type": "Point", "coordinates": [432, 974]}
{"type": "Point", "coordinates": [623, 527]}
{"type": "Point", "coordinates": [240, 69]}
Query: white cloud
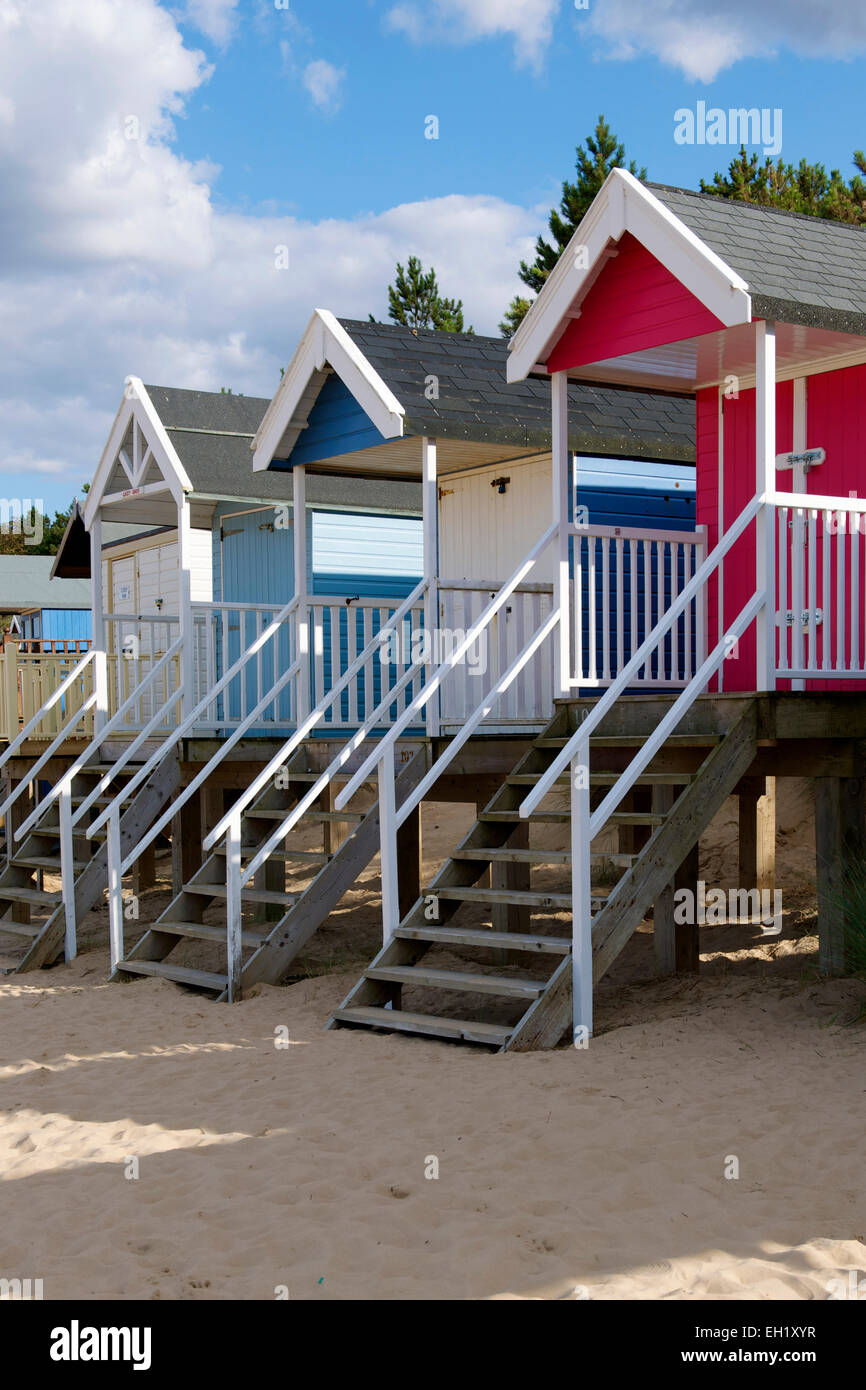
{"type": "Point", "coordinates": [215, 18]}
{"type": "Point", "coordinates": [703, 37]}
{"type": "Point", "coordinates": [323, 81]}
{"type": "Point", "coordinates": [117, 260]}
{"type": "Point", "coordinates": [529, 22]}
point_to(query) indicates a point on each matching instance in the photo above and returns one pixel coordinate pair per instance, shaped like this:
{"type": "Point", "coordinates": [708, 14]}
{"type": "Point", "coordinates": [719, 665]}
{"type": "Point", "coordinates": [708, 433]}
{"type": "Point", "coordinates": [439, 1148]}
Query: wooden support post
{"type": "Point", "coordinates": [186, 850]}
{"type": "Point", "coordinates": [632, 838]}
{"type": "Point", "coordinates": [144, 870]}
{"type": "Point", "coordinates": [511, 916]}
{"type": "Point", "coordinates": [757, 833]}
{"type": "Point", "coordinates": [18, 813]}
{"type": "Point", "coordinates": [334, 832]}
{"type": "Point", "coordinates": [676, 944]}
{"type": "Point", "coordinates": [409, 855]}
{"type": "Point", "coordinates": [302, 615]}
{"type": "Point", "coordinates": [765, 483]}
{"type": "Point", "coordinates": [840, 848]}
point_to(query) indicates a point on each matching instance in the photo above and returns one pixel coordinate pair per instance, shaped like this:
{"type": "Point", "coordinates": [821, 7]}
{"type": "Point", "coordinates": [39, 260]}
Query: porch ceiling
{"type": "Point", "coordinates": [401, 458]}
{"type": "Point", "coordinates": [693, 363]}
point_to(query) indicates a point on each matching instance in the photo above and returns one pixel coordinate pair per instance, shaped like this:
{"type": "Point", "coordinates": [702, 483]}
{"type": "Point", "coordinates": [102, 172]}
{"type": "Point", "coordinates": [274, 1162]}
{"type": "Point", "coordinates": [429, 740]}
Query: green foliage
{"type": "Point", "coordinates": [804, 187]}
{"type": "Point", "coordinates": [414, 301]}
{"type": "Point", "coordinates": [14, 541]}
{"type": "Point", "coordinates": [514, 315]}
{"type": "Point", "coordinates": [594, 160]}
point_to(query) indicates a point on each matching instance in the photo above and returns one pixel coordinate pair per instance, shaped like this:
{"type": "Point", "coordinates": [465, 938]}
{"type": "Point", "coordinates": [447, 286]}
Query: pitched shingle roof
{"type": "Point", "coordinates": [799, 269]}
{"type": "Point", "coordinates": [476, 402]}
{"type": "Point", "coordinates": [212, 433]}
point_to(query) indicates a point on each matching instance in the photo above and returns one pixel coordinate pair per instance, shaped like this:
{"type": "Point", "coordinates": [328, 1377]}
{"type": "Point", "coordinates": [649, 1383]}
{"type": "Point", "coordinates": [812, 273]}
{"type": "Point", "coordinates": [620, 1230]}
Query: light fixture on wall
{"type": "Point", "coordinates": [158, 603]}
{"type": "Point", "coordinates": [501, 484]}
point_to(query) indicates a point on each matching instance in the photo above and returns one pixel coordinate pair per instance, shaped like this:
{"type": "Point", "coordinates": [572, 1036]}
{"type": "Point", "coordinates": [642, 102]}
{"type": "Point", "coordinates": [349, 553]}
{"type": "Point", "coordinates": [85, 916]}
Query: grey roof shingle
{"type": "Point", "coordinates": [25, 582]}
{"type": "Point", "coordinates": [799, 269]}
{"type": "Point", "coordinates": [212, 433]}
{"type": "Point", "coordinates": [477, 403]}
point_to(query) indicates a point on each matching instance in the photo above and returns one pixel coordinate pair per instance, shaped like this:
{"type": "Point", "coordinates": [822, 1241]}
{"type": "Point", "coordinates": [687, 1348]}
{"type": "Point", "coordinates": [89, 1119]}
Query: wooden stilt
{"type": "Point", "coordinates": [190, 836]}
{"type": "Point", "coordinates": [505, 876]}
{"type": "Point", "coordinates": [144, 870]}
{"type": "Point", "coordinates": [840, 848]}
{"type": "Point", "coordinates": [676, 944]}
{"type": "Point", "coordinates": [18, 813]}
{"type": "Point", "coordinates": [409, 856]}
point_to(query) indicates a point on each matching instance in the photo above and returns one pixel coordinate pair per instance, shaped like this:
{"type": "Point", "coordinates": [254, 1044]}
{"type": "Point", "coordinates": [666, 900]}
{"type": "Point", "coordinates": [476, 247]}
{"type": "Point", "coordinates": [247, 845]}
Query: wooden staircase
{"type": "Point", "coordinates": [521, 999]}
{"type": "Point", "coordinates": [301, 887]}
{"type": "Point", "coordinates": [34, 915]}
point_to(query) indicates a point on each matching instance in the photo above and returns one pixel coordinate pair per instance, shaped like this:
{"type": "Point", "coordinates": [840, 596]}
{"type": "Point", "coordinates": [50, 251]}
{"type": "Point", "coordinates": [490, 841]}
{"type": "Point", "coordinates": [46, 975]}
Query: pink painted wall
{"type": "Point", "coordinates": [635, 303]}
{"type": "Point", "coordinates": [836, 421]}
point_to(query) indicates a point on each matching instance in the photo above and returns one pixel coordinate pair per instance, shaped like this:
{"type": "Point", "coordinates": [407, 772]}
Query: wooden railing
{"type": "Point", "coordinates": [624, 581]}
{"type": "Point", "coordinates": [820, 587]}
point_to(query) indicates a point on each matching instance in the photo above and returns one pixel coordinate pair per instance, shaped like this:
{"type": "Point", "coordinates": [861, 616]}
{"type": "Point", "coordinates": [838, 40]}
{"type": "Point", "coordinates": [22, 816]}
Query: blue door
{"type": "Point", "coordinates": [256, 566]}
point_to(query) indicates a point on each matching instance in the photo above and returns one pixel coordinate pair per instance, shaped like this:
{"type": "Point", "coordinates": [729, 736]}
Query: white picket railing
{"type": "Point", "coordinates": [529, 698]}
{"type": "Point", "coordinates": [820, 587]}
{"type": "Point", "coordinates": [624, 579]}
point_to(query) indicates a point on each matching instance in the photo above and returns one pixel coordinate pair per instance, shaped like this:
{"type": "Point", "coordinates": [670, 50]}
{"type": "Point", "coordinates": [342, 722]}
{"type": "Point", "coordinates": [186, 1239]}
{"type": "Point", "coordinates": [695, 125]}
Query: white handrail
{"type": "Point", "coordinates": [660, 733]}
{"type": "Point", "coordinates": [49, 704]}
{"type": "Point", "coordinates": [444, 669]}
{"type": "Point", "coordinates": [202, 776]}
{"type": "Point", "coordinates": [294, 815]}
{"type": "Point", "coordinates": [192, 718]}
{"type": "Point", "coordinates": [34, 771]}
{"type": "Point", "coordinates": [645, 650]}
{"type": "Point", "coordinates": [83, 758]}
{"type": "Point", "coordinates": [316, 715]}
{"type": "Point", "coordinates": [477, 717]}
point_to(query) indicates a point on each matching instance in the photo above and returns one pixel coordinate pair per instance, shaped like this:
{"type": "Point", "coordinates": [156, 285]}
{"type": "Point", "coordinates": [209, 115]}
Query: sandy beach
{"type": "Point", "coordinates": [571, 1174]}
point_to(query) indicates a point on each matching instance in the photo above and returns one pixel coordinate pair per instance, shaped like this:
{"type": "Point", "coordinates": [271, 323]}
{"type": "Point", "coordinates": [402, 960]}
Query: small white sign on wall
{"type": "Point", "coordinates": [124, 591]}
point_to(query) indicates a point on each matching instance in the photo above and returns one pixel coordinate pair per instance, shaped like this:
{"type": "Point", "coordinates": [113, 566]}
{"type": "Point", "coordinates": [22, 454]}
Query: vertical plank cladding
{"type": "Point", "coordinates": [635, 303]}
{"type": "Point", "coordinates": [739, 489]}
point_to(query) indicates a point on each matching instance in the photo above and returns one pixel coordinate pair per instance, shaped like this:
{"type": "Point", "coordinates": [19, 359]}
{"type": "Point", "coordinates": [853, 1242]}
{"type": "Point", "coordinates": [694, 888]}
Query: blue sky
{"type": "Point", "coordinates": [154, 155]}
{"type": "Point", "coordinates": [505, 129]}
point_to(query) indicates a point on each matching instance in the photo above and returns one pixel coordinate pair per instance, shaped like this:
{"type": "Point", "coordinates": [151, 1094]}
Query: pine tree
{"type": "Point", "coordinates": [414, 301]}
{"type": "Point", "coordinates": [601, 153]}
{"type": "Point", "coordinates": [797, 188]}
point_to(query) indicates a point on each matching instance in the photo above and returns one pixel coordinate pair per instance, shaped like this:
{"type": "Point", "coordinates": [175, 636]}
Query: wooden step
{"type": "Point", "coordinates": [514, 856]}
{"type": "Point", "coordinates": [288, 856]}
{"type": "Point", "coordinates": [560, 902]}
{"type": "Point", "coordinates": [537, 817]}
{"type": "Point", "coordinates": [253, 813]}
{"type": "Point", "coordinates": [537, 856]}
{"type": "Point", "coordinates": [248, 895]}
{"type": "Point", "coordinates": [493, 1034]}
{"type": "Point", "coordinates": [38, 861]}
{"type": "Point", "coordinates": [30, 895]}
{"type": "Point", "coordinates": [605, 779]}
{"type": "Point", "coordinates": [634, 818]}
{"type": "Point", "coordinates": [202, 931]}
{"type": "Point", "coordinates": [467, 936]}
{"type": "Point", "coordinates": [180, 974]}
{"type": "Point", "coordinates": [633, 741]}
{"type": "Point", "coordinates": [29, 929]}
{"type": "Point", "coordinates": [458, 979]}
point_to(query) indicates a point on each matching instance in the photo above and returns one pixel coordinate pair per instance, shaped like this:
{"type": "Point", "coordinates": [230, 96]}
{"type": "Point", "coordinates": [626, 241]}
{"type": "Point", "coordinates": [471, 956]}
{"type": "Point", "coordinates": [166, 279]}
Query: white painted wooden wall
{"type": "Point", "coordinates": [484, 534]}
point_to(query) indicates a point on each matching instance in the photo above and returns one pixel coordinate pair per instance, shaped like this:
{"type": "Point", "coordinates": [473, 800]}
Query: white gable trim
{"type": "Point", "coordinates": [624, 205]}
{"type": "Point", "coordinates": [150, 442]}
{"type": "Point", "coordinates": [326, 343]}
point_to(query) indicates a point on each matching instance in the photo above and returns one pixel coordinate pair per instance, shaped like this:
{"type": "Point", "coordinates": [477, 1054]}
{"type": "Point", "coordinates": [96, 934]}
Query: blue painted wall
{"type": "Point", "coordinates": [631, 493]}
{"type": "Point", "coordinates": [336, 425]}
{"type": "Point", "coordinates": [58, 623]}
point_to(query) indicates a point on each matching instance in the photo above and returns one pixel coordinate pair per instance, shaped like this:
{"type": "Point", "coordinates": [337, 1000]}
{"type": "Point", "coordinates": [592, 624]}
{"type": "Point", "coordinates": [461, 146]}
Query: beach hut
{"type": "Point", "coordinates": [41, 609]}
{"type": "Point", "coordinates": [361, 407]}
